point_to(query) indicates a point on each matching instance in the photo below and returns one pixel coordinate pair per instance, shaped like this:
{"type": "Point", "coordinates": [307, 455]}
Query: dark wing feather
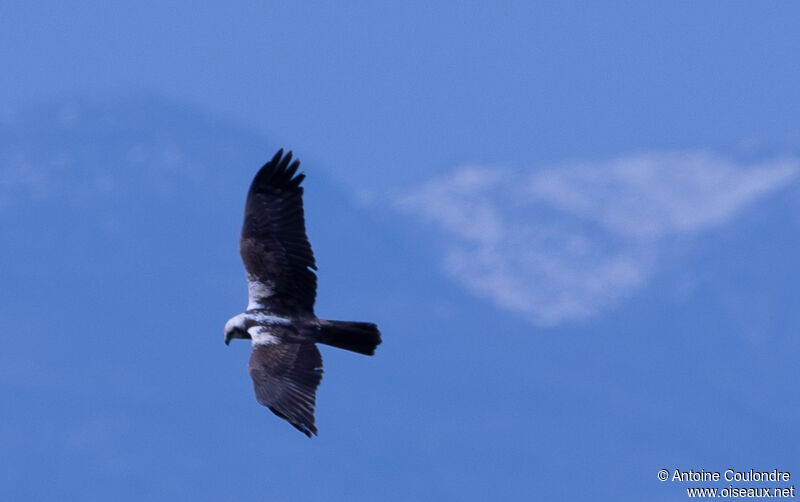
{"type": "Point", "coordinates": [285, 377]}
{"type": "Point", "coordinates": [274, 245]}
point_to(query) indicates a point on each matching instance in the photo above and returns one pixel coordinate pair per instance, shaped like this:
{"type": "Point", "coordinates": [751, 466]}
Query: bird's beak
{"type": "Point", "coordinates": [227, 340]}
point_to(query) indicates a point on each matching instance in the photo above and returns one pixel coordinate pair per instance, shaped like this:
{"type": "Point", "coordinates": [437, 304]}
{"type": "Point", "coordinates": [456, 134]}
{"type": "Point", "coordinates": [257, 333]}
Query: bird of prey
{"type": "Point", "coordinates": [285, 365]}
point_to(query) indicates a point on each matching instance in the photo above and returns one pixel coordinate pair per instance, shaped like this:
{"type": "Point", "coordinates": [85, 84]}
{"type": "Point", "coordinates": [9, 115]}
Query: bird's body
{"type": "Point", "coordinates": [285, 365]}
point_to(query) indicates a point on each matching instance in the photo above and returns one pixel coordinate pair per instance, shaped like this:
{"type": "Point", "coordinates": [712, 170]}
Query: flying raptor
{"type": "Point", "coordinates": [285, 365]}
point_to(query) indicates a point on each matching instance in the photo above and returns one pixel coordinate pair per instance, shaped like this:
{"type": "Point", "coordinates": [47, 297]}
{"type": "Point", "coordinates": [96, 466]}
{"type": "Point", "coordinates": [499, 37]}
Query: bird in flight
{"type": "Point", "coordinates": [285, 364]}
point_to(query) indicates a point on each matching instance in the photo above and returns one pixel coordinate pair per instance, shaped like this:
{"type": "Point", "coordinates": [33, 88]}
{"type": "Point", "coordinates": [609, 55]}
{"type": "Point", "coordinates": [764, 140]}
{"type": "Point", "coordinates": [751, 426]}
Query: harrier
{"type": "Point", "coordinates": [285, 365]}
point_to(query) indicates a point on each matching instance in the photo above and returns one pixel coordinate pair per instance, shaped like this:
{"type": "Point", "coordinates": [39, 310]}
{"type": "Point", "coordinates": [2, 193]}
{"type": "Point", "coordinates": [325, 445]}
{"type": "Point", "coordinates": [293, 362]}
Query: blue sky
{"type": "Point", "coordinates": [576, 225]}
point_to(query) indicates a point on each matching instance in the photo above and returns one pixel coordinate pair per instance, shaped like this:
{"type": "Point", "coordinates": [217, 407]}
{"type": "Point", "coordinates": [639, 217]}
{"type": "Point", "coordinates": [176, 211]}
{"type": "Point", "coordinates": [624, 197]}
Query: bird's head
{"type": "Point", "coordinates": [235, 328]}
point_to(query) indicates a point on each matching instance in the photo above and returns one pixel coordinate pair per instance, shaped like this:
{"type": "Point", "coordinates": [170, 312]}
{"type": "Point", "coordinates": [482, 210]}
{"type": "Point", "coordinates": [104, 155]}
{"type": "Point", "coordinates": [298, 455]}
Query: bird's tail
{"type": "Point", "coordinates": [361, 337]}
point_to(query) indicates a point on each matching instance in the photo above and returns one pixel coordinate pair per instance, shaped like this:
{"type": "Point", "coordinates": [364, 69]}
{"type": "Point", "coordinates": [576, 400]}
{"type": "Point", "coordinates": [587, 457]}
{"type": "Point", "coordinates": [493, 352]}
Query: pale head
{"type": "Point", "coordinates": [235, 328]}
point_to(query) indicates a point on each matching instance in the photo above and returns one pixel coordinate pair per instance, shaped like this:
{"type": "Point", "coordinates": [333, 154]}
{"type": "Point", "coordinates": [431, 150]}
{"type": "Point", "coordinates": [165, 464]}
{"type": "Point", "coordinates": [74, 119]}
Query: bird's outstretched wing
{"type": "Point", "coordinates": [274, 247]}
{"type": "Point", "coordinates": [285, 377]}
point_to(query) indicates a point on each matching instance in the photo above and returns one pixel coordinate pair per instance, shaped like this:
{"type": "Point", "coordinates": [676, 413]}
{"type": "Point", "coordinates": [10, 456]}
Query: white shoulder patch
{"type": "Point", "coordinates": [268, 319]}
{"type": "Point", "coordinates": [257, 291]}
{"type": "Point", "coordinates": [261, 336]}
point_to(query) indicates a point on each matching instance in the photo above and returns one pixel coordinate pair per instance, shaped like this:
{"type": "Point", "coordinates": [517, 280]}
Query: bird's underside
{"type": "Point", "coordinates": [285, 364]}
